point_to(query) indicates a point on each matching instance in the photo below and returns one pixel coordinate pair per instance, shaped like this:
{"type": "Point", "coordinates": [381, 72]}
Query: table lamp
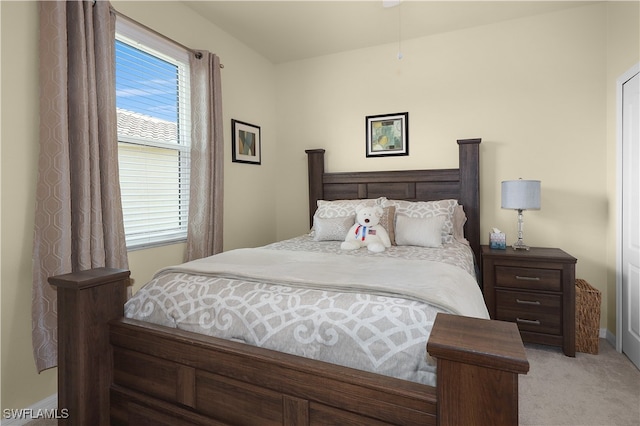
{"type": "Point", "coordinates": [521, 195]}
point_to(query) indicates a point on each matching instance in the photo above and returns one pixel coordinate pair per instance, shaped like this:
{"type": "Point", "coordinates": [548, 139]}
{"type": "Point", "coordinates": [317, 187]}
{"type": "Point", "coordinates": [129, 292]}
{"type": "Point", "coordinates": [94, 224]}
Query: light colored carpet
{"type": "Point", "coordinates": [602, 389]}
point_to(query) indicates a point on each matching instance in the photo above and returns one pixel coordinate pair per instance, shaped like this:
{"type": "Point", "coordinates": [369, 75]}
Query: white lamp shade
{"type": "Point", "coordinates": [521, 194]}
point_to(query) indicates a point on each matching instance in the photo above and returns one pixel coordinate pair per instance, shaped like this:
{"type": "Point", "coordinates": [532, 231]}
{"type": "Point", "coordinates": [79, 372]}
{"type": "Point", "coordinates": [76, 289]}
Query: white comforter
{"type": "Point", "coordinates": [366, 312]}
{"type": "Point", "coordinates": [444, 286]}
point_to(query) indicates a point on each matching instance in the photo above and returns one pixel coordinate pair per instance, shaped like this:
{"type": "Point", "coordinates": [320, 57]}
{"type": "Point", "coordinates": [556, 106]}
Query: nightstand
{"type": "Point", "coordinates": [535, 289]}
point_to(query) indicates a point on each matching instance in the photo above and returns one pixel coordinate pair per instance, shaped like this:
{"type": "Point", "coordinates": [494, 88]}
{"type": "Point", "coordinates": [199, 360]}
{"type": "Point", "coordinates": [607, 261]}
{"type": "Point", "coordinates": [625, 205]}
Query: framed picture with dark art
{"type": "Point", "coordinates": [387, 134]}
{"type": "Point", "coordinates": [245, 142]}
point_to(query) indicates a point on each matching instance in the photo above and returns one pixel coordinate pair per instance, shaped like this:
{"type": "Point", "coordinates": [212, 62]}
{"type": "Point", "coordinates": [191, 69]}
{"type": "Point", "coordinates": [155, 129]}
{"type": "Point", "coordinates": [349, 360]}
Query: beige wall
{"type": "Point", "coordinates": [537, 90]}
{"type": "Point", "coordinates": [533, 89]}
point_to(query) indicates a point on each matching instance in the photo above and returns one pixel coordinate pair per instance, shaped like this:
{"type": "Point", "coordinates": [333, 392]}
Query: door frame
{"type": "Point", "coordinates": [619, 193]}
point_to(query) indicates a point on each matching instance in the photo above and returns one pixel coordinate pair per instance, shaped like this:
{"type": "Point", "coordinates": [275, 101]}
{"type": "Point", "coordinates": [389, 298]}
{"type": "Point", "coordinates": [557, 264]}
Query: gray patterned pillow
{"type": "Point", "coordinates": [343, 208]}
{"type": "Point", "coordinates": [427, 209]}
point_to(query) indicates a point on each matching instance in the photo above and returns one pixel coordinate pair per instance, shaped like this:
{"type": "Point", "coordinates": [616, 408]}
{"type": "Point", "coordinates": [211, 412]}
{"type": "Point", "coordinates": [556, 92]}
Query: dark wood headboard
{"type": "Point", "coordinates": [462, 184]}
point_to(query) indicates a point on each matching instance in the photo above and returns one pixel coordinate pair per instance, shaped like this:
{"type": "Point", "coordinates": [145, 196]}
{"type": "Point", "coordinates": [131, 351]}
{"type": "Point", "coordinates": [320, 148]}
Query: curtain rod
{"type": "Point", "coordinates": [182, 46]}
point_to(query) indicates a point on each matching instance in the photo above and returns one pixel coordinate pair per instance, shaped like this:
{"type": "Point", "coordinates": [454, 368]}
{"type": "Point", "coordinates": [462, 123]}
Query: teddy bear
{"type": "Point", "coordinates": [367, 232]}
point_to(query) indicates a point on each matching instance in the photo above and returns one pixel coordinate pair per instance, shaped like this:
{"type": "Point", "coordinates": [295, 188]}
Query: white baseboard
{"type": "Point", "coordinates": [17, 417]}
{"type": "Point", "coordinates": [611, 338]}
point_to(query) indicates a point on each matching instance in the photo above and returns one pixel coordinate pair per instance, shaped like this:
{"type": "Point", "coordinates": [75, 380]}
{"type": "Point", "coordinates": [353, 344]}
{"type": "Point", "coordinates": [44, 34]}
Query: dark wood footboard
{"type": "Point", "coordinates": [147, 374]}
{"type": "Point", "coordinates": [87, 301]}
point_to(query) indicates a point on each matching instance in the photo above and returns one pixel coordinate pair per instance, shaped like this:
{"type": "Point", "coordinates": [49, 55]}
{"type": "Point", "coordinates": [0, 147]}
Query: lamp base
{"type": "Point", "coordinates": [520, 245]}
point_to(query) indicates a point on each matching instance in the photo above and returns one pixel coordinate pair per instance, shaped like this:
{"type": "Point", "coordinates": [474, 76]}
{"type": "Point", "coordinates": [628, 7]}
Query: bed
{"type": "Point", "coordinates": [134, 363]}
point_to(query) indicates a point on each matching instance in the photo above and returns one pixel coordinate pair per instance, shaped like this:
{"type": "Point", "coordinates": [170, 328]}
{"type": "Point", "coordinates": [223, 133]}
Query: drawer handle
{"type": "Point", "coordinates": [519, 277]}
{"type": "Point", "coordinates": [526, 321]}
{"type": "Point", "coordinates": [528, 302]}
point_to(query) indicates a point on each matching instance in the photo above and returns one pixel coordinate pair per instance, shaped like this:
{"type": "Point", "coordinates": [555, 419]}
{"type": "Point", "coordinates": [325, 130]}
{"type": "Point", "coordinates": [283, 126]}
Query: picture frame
{"type": "Point", "coordinates": [387, 134]}
{"type": "Point", "coordinates": [246, 143]}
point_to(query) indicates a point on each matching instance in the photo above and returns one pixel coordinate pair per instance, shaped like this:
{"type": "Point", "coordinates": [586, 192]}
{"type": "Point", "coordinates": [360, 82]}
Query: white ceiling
{"type": "Point", "coordinates": [284, 31]}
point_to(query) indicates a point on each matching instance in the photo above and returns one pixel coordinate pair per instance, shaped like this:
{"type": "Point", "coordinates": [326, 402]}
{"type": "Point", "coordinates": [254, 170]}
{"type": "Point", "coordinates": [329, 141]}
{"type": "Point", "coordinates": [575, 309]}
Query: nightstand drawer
{"type": "Point", "coordinates": [528, 278]}
{"type": "Point", "coordinates": [535, 312]}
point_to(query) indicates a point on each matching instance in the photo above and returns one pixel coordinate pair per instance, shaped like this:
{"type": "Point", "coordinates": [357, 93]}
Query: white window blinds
{"type": "Point", "coordinates": [153, 108]}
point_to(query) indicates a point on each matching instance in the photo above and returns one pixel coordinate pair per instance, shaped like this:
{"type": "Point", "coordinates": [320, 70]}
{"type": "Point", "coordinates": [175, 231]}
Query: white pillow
{"type": "Point", "coordinates": [425, 232]}
{"type": "Point", "coordinates": [332, 229]}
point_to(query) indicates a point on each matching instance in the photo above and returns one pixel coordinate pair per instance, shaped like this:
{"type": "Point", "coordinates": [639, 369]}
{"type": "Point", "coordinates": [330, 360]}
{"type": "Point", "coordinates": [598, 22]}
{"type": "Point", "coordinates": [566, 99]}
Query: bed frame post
{"type": "Point", "coordinates": [479, 362]}
{"type": "Point", "coordinates": [87, 301]}
{"type": "Point", "coordinates": [469, 164]}
{"type": "Point", "coordinates": [315, 158]}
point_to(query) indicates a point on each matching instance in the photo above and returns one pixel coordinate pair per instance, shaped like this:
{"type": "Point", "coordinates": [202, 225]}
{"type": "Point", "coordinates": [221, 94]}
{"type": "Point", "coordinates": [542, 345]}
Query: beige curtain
{"type": "Point", "coordinates": [204, 236]}
{"type": "Point", "coordinates": [78, 221]}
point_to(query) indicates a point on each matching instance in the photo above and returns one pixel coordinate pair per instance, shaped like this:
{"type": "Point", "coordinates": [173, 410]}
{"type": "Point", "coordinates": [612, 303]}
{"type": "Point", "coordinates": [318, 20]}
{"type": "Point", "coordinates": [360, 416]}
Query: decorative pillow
{"type": "Point", "coordinates": [459, 219]}
{"type": "Point", "coordinates": [332, 229]}
{"type": "Point", "coordinates": [343, 208]}
{"type": "Point", "coordinates": [427, 232]}
{"type": "Point", "coordinates": [388, 222]}
{"type": "Point", "coordinates": [426, 209]}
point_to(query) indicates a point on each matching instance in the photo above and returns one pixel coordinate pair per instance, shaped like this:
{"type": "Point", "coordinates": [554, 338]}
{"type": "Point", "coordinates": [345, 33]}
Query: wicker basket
{"type": "Point", "coordinates": [588, 301]}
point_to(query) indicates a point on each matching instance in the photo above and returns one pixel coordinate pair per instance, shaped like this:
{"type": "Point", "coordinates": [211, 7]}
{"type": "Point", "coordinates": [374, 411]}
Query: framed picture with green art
{"type": "Point", "coordinates": [387, 134]}
{"type": "Point", "coordinates": [245, 142]}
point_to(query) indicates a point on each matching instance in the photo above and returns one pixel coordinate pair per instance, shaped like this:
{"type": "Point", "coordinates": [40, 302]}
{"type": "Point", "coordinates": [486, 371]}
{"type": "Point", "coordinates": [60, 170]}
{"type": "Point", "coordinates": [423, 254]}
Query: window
{"type": "Point", "coordinates": [152, 101]}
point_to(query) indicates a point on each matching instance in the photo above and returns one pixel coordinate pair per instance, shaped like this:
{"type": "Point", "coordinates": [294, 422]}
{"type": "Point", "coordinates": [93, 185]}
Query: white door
{"type": "Point", "coordinates": [630, 218]}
